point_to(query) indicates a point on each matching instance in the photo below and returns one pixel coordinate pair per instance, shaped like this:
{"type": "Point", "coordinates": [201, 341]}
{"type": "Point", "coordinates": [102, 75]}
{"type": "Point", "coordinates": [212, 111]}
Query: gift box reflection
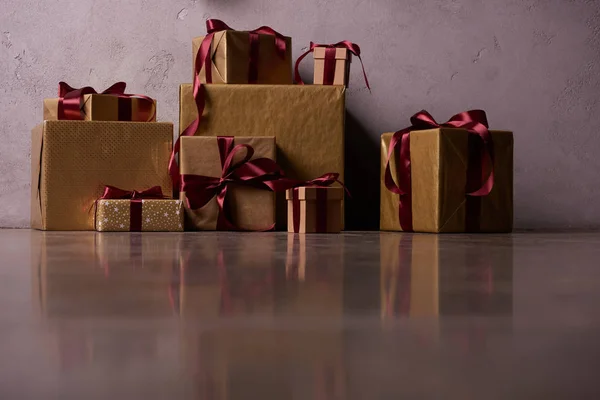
{"type": "Point", "coordinates": [420, 277]}
{"type": "Point", "coordinates": [116, 276]}
{"type": "Point", "coordinates": [227, 361]}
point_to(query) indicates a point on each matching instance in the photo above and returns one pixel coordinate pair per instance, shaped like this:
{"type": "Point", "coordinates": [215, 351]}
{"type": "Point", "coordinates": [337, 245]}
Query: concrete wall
{"type": "Point", "coordinates": [532, 64]}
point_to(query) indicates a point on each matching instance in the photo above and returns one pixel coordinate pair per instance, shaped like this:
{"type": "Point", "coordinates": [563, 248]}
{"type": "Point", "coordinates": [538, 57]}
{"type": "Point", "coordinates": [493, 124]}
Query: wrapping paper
{"type": "Point", "coordinates": [156, 215]}
{"type": "Point", "coordinates": [317, 209]}
{"type": "Point", "coordinates": [309, 124]}
{"type": "Point", "coordinates": [102, 107]}
{"type": "Point", "coordinates": [343, 58]}
{"type": "Point", "coordinates": [438, 175]}
{"type": "Point", "coordinates": [72, 161]}
{"type": "Point", "coordinates": [249, 208]}
{"type": "Point", "coordinates": [230, 52]}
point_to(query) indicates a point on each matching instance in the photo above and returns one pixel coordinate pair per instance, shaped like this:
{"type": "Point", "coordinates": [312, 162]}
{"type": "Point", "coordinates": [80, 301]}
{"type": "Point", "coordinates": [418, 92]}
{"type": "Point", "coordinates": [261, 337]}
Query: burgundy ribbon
{"type": "Point", "coordinates": [329, 65]}
{"type": "Point", "coordinates": [260, 173]}
{"type": "Point", "coordinates": [135, 197]}
{"type": "Point", "coordinates": [71, 101]}
{"type": "Point", "coordinates": [203, 60]}
{"type": "Point", "coordinates": [481, 150]}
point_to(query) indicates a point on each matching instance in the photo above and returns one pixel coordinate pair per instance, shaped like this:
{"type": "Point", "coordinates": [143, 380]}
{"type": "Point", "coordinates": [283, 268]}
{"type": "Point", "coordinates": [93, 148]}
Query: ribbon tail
{"type": "Point", "coordinates": [297, 77]}
{"type": "Point", "coordinates": [364, 73]}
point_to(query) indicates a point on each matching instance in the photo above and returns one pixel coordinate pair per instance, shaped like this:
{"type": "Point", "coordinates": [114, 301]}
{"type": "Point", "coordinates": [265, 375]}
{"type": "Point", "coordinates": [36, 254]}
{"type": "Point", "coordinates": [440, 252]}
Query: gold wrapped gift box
{"type": "Point", "coordinates": [313, 204]}
{"type": "Point", "coordinates": [105, 107]}
{"type": "Point", "coordinates": [307, 121]}
{"type": "Point", "coordinates": [155, 215]}
{"type": "Point", "coordinates": [249, 208]}
{"type": "Point", "coordinates": [230, 55]}
{"type": "Point", "coordinates": [343, 57]}
{"type": "Point", "coordinates": [439, 159]}
{"type": "Point", "coordinates": [72, 161]}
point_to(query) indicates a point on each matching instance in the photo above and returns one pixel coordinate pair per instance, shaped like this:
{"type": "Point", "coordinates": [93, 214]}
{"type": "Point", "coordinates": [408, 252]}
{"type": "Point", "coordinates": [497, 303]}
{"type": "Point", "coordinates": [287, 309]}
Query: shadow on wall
{"type": "Point", "coordinates": [361, 177]}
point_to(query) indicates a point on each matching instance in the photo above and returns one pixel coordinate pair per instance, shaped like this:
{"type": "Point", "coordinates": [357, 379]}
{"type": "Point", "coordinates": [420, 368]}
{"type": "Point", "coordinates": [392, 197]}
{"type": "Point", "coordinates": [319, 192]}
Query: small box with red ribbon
{"type": "Point", "coordinates": [148, 210]}
{"type": "Point", "coordinates": [450, 177]}
{"type": "Point", "coordinates": [225, 55]}
{"type": "Point", "coordinates": [86, 104]}
{"type": "Point", "coordinates": [315, 209]}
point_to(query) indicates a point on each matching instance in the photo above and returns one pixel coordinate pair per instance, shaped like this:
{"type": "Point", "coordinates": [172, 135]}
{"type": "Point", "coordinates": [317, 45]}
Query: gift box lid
{"type": "Point", "coordinates": [340, 53]}
{"type": "Point", "coordinates": [334, 193]}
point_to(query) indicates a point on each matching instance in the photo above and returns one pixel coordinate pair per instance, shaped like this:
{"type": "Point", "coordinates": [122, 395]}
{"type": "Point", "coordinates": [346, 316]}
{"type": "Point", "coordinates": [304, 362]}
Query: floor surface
{"type": "Point", "coordinates": [278, 316]}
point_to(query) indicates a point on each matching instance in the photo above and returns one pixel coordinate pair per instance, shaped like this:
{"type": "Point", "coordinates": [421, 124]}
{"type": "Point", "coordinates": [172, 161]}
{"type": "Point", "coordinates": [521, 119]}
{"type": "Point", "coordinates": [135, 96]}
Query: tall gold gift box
{"type": "Point", "coordinates": [72, 161]}
{"type": "Point", "coordinates": [307, 122]}
{"type": "Point", "coordinates": [439, 159]}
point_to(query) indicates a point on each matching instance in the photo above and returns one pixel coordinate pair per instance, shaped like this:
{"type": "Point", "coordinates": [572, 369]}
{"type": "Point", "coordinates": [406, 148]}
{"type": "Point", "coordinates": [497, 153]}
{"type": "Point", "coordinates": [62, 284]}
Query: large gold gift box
{"type": "Point", "coordinates": [249, 208]}
{"type": "Point", "coordinates": [307, 121]}
{"type": "Point", "coordinates": [230, 55]}
{"type": "Point", "coordinates": [105, 107]}
{"type": "Point", "coordinates": [439, 159]}
{"type": "Point", "coordinates": [72, 161]}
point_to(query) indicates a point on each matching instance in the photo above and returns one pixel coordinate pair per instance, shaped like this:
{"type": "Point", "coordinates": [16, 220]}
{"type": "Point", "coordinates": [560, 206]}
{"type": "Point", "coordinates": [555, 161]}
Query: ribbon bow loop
{"type": "Point", "coordinates": [115, 193]}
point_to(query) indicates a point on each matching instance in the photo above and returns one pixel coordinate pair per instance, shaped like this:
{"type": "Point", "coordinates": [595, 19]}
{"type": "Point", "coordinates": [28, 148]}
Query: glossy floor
{"type": "Point", "coordinates": [278, 316]}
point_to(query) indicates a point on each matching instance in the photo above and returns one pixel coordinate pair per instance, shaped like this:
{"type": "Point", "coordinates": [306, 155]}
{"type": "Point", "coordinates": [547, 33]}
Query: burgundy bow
{"type": "Point", "coordinates": [203, 59]}
{"type": "Point", "coordinates": [475, 122]}
{"type": "Point", "coordinates": [135, 205]}
{"type": "Point", "coordinates": [345, 44]}
{"type": "Point", "coordinates": [70, 102]}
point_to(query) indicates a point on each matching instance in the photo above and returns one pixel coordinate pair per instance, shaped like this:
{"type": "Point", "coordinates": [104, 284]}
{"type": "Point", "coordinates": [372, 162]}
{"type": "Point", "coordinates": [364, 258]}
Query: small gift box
{"type": "Point", "coordinates": [146, 211]}
{"type": "Point", "coordinates": [451, 177]}
{"type": "Point", "coordinates": [332, 66]}
{"type": "Point", "coordinates": [315, 209]}
{"type": "Point", "coordinates": [72, 162]}
{"type": "Point", "coordinates": [220, 187]}
{"type": "Point", "coordinates": [110, 105]}
{"type": "Point", "coordinates": [260, 56]}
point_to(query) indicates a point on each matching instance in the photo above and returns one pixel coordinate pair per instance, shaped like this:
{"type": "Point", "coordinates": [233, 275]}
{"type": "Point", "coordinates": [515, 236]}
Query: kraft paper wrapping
{"type": "Point", "coordinates": [307, 121]}
{"type": "Point", "coordinates": [439, 160]}
{"type": "Point", "coordinates": [72, 161]}
{"type": "Point", "coordinates": [157, 215]}
{"type": "Point", "coordinates": [308, 209]}
{"type": "Point", "coordinates": [343, 58]}
{"type": "Point", "coordinates": [249, 208]}
{"type": "Point", "coordinates": [230, 54]}
{"type": "Point", "coordinates": [98, 107]}
{"type": "Point", "coordinates": [420, 279]}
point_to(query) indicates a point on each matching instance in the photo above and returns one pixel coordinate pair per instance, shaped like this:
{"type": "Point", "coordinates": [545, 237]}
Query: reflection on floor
{"type": "Point", "coordinates": [276, 315]}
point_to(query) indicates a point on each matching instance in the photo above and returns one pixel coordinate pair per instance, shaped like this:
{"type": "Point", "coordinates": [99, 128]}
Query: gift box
{"type": "Point", "coordinates": [79, 158]}
{"type": "Point", "coordinates": [309, 124]}
{"type": "Point", "coordinates": [245, 207]}
{"type": "Point", "coordinates": [144, 215]}
{"type": "Point", "coordinates": [315, 209]}
{"type": "Point", "coordinates": [105, 107]}
{"type": "Point", "coordinates": [338, 73]}
{"type": "Point", "coordinates": [443, 161]}
{"type": "Point", "coordinates": [240, 57]}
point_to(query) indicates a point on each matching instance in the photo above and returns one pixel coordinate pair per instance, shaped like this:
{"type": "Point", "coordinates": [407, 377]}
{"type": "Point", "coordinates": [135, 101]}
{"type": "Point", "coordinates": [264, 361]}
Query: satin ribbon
{"type": "Point", "coordinates": [135, 197]}
{"type": "Point", "coordinates": [203, 60]}
{"type": "Point", "coordinates": [71, 101]}
{"type": "Point", "coordinates": [344, 44]}
{"type": "Point", "coordinates": [260, 173]}
{"type": "Point", "coordinates": [475, 122]}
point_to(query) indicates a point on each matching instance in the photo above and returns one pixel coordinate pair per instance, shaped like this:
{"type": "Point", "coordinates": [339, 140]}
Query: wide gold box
{"type": "Point", "coordinates": [230, 55]}
{"type": "Point", "coordinates": [249, 208]}
{"type": "Point", "coordinates": [439, 161]}
{"type": "Point", "coordinates": [72, 161]}
{"type": "Point", "coordinates": [105, 107]}
{"type": "Point", "coordinates": [154, 215]}
{"type": "Point", "coordinates": [307, 122]}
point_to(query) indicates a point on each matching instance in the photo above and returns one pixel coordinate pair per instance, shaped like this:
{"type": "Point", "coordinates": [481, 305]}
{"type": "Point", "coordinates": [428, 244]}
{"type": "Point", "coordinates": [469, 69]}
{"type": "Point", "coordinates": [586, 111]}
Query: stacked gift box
{"type": "Point", "coordinates": [257, 150]}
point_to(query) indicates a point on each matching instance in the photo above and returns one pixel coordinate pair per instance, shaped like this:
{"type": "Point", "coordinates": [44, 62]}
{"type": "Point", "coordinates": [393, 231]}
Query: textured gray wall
{"type": "Point", "coordinates": [532, 64]}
